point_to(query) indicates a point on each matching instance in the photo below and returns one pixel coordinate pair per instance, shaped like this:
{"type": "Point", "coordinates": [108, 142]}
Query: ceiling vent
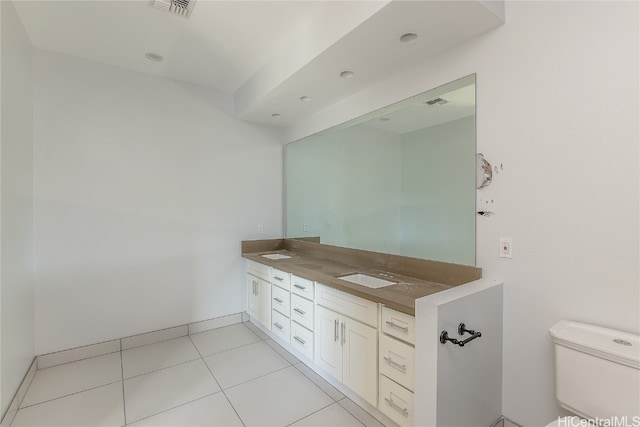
{"type": "Point", "coordinates": [175, 7]}
{"type": "Point", "coordinates": [436, 101]}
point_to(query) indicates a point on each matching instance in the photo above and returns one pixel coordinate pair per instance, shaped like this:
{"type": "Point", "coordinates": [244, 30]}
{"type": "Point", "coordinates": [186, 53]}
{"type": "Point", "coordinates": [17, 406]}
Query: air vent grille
{"type": "Point", "coordinates": [175, 7]}
{"type": "Point", "coordinates": [437, 101]}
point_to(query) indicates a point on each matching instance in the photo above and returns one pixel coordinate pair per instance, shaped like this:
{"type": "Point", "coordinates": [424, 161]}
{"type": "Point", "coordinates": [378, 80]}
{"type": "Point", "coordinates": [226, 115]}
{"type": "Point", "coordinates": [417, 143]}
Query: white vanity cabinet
{"type": "Point", "coordinates": [259, 293]}
{"type": "Point", "coordinates": [302, 319]}
{"type": "Point", "coordinates": [345, 346]}
{"type": "Point", "coordinates": [369, 350]}
{"type": "Point", "coordinates": [281, 304]}
{"type": "Point", "coordinates": [397, 365]}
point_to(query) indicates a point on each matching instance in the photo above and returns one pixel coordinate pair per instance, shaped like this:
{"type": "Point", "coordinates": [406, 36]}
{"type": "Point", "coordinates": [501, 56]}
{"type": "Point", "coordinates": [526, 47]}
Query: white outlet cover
{"type": "Point", "coordinates": [506, 247]}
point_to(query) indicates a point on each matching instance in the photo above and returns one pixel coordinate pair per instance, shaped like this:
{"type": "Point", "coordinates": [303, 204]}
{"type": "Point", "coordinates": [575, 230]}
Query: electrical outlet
{"type": "Point", "coordinates": [305, 227]}
{"type": "Point", "coordinates": [260, 228]}
{"type": "Point", "coordinates": [506, 247]}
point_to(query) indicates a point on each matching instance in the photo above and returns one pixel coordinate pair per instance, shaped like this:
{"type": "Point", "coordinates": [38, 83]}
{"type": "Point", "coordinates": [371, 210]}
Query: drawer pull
{"type": "Point", "coordinates": [300, 312]}
{"type": "Point", "coordinates": [344, 336]}
{"type": "Point", "coordinates": [278, 325]}
{"type": "Point", "coordinates": [336, 334]}
{"type": "Point", "coordinates": [278, 300]}
{"type": "Point", "coordinates": [280, 279]}
{"type": "Point", "coordinates": [396, 365]}
{"type": "Point", "coordinates": [300, 340]}
{"type": "Point", "coordinates": [395, 325]}
{"type": "Point", "coordinates": [403, 411]}
{"type": "Point", "coordinates": [304, 288]}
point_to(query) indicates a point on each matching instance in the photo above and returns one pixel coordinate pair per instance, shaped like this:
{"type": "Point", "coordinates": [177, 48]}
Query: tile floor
{"type": "Point", "coordinates": [231, 376]}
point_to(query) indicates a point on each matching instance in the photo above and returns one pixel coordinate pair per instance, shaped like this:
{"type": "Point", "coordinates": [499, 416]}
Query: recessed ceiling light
{"type": "Point", "coordinates": [275, 115]}
{"type": "Point", "coordinates": [408, 37]}
{"type": "Point", "coordinates": [305, 98]}
{"type": "Point", "coordinates": [346, 74]}
{"type": "Point", "coordinates": [153, 57]}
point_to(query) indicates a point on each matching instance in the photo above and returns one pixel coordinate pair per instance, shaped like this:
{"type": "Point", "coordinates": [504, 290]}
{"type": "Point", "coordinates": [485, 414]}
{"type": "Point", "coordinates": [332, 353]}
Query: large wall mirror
{"type": "Point", "coordinates": [400, 180]}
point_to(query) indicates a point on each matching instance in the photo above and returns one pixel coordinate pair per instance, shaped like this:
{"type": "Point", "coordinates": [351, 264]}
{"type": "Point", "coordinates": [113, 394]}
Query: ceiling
{"type": "Point", "coordinates": [267, 53]}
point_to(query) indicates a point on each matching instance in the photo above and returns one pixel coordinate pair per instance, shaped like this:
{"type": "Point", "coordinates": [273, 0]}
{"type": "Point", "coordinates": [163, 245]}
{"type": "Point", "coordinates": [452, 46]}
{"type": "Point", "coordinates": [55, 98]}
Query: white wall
{"type": "Point", "coordinates": [557, 106]}
{"type": "Point", "coordinates": [16, 226]}
{"type": "Point", "coordinates": [144, 189]}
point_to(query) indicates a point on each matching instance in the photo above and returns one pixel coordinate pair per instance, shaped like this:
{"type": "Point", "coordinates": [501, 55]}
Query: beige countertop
{"type": "Point", "coordinates": [400, 296]}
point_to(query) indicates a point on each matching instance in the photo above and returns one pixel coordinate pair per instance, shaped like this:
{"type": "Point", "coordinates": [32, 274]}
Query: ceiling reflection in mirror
{"type": "Point", "coordinates": [400, 180]}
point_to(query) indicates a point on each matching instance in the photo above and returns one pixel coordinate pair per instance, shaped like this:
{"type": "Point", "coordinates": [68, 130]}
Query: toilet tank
{"type": "Point", "coordinates": [597, 371]}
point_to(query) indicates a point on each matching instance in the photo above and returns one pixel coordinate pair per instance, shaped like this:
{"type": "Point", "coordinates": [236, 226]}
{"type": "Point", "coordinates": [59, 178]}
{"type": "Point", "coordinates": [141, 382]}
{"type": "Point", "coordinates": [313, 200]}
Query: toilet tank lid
{"type": "Point", "coordinates": [617, 346]}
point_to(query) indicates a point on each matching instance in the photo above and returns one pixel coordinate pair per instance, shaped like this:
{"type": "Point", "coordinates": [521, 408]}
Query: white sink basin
{"type": "Point", "coordinates": [368, 281]}
{"type": "Point", "coordinates": [275, 256]}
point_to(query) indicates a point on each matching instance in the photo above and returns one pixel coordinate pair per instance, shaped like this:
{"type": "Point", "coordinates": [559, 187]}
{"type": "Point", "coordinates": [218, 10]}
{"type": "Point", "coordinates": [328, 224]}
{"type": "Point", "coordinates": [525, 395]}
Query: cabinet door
{"type": "Point", "coordinates": [264, 300]}
{"type": "Point", "coordinates": [252, 296]}
{"type": "Point", "coordinates": [360, 360]}
{"type": "Point", "coordinates": [328, 341]}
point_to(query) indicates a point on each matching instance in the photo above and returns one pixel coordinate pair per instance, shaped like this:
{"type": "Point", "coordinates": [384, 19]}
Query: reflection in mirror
{"type": "Point", "coordinates": [400, 180]}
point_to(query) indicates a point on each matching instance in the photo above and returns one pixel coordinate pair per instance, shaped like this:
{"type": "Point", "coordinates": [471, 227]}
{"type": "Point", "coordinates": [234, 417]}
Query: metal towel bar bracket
{"type": "Point", "coordinates": [444, 336]}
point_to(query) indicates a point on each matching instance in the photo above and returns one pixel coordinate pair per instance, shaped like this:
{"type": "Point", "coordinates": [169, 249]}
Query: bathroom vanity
{"type": "Point", "coordinates": [370, 323]}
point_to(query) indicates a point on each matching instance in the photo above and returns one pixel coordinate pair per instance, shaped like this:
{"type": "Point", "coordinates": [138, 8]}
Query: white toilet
{"type": "Point", "coordinates": [597, 374]}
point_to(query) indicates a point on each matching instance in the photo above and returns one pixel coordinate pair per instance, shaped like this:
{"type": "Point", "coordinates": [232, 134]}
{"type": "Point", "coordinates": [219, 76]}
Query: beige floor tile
{"type": "Point", "coordinates": [100, 406]}
{"type": "Point", "coordinates": [63, 380]}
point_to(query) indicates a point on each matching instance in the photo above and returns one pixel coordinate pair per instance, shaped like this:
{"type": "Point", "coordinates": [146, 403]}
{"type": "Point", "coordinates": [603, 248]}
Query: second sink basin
{"type": "Point", "coordinates": [368, 281]}
{"type": "Point", "coordinates": [275, 256]}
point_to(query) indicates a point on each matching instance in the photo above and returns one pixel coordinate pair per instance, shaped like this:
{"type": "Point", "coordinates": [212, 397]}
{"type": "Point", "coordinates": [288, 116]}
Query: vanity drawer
{"type": "Point", "coordinates": [302, 287]}
{"type": "Point", "coordinates": [259, 270]}
{"type": "Point", "coordinates": [397, 361]}
{"type": "Point", "coordinates": [352, 306]}
{"type": "Point", "coordinates": [302, 340]}
{"type": "Point", "coordinates": [396, 402]}
{"type": "Point", "coordinates": [281, 278]}
{"type": "Point", "coordinates": [280, 300]}
{"type": "Point", "coordinates": [399, 325]}
{"type": "Point", "coordinates": [302, 311]}
{"type": "Point", "coordinates": [281, 326]}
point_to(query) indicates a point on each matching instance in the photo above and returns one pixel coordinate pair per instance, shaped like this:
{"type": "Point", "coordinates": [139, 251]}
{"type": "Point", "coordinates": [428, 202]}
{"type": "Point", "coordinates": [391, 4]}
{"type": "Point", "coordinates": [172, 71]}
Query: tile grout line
{"type": "Point", "coordinates": [314, 383]}
{"type": "Point", "coordinates": [259, 376]}
{"type": "Point", "coordinates": [334, 400]}
{"type": "Point", "coordinates": [322, 409]}
{"type": "Point", "coordinates": [284, 349]}
{"type": "Point", "coordinates": [78, 348]}
{"type": "Point", "coordinates": [159, 369]}
{"type": "Point", "coordinates": [187, 325]}
{"type": "Point", "coordinates": [308, 415]}
{"type": "Point", "coordinates": [70, 394]}
{"type": "Point", "coordinates": [124, 401]}
{"type": "Point", "coordinates": [216, 380]}
{"type": "Point", "coordinates": [110, 352]}
{"type": "Point", "coordinates": [227, 350]}
{"type": "Point", "coordinates": [224, 351]}
{"type": "Point", "coordinates": [170, 409]}
{"type": "Point", "coordinates": [14, 399]}
{"type": "Point", "coordinates": [267, 337]}
{"type": "Point", "coordinates": [303, 374]}
{"type": "Point", "coordinates": [364, 410]}
{"type": "Point", "coordinates": [79, 360]}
